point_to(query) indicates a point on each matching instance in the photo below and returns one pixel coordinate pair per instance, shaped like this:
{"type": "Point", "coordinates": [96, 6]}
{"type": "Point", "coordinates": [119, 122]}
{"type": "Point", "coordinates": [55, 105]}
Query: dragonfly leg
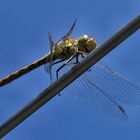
{"type": "Point", "coordinates": [76, 62]}
{"type": "Point", "coordinates": [47, 67]}
{"type": "Point", "coordinates": [82, 55]}
{"type": "Point", "coordinates": [59, 61]}
{"type": "Point", "coordinates": [66, 63]}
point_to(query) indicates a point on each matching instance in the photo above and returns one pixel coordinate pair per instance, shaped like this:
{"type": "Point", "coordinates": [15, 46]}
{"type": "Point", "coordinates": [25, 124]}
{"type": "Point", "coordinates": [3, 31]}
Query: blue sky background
{"type": "Point", "coordinates": [23, 39]}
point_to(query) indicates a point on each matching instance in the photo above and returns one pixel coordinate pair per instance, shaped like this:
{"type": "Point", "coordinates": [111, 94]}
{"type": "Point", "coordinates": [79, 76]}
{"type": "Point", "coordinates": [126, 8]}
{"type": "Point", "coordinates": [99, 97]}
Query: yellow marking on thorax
{"type": "Point", "coordinates": [61, 51]}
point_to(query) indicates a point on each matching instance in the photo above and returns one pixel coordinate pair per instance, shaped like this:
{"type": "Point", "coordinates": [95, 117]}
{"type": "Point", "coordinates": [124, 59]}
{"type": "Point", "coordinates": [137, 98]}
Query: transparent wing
{"type": "Point", "coordinates": [65, 37]}
{"type": "Point", "coordinates": [88, 91]}
{"type": "Point", "coordinates": [48, 67]}
{"type": "Point", "coordinates": [115, 85]}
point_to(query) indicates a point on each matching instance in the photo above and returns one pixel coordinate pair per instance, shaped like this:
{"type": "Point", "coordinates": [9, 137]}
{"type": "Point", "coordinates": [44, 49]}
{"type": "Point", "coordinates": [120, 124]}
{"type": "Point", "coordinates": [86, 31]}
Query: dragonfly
{"type": "Point", "coordinates": [65, 49]}
{"type": "Point", "coordinates": [107, 91]}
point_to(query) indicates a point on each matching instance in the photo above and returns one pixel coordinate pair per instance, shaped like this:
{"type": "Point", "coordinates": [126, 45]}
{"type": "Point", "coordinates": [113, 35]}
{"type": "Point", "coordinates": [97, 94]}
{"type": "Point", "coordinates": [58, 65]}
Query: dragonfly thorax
{"type": "Point", "coordinates": [66, 49]}
{"type": "Point", "coordinates": [86, 44]}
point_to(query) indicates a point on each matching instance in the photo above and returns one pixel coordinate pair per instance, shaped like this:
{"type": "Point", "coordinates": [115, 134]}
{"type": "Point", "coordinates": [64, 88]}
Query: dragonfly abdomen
{"type": "Point", "coordinates": [24, 70]}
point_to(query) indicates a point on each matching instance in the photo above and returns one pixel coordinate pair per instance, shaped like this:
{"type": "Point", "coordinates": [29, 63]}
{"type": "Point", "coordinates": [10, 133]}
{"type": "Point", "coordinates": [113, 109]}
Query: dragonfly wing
{"type": "Point", "coordinates": [65, 37]}
{"type": "Point", "coordinates": [49, 66]}
{"type": "Point", "coordinates": [89, 91]}
{"type": "Point", "coordinates": [115, 85]}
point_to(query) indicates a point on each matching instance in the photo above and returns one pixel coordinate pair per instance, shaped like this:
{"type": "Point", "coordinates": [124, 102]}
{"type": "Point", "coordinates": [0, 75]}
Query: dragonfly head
{"type": "Point", "coordinates": [86, 44]}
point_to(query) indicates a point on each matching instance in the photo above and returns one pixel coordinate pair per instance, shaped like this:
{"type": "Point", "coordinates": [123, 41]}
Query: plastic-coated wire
{"type": "Point", "coordinates": [70, 76]}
